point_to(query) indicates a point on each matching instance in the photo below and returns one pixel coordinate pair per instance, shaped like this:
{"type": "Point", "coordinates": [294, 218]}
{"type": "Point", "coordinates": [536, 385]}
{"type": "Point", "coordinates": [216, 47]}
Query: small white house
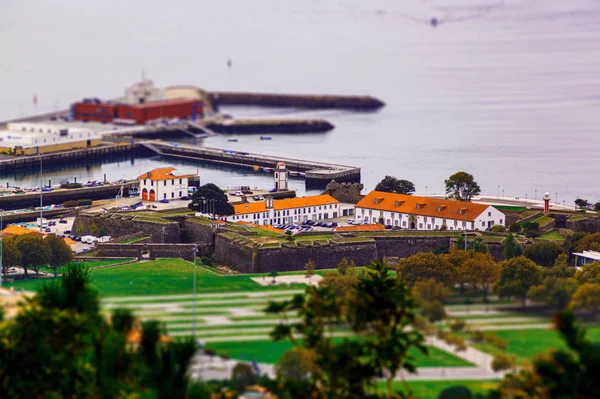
{"type": "Point", "coordinates": [425, 213]}
{"type": "Point", "coordinates": [160, 184]}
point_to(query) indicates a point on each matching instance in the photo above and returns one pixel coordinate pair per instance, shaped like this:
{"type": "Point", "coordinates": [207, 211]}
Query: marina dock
{"type": "Point", "coordinates": [317, 174]}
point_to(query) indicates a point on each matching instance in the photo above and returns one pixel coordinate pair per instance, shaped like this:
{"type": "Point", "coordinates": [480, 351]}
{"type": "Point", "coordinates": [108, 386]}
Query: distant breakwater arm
{"type": "Point", "coordinates": [296, 100]}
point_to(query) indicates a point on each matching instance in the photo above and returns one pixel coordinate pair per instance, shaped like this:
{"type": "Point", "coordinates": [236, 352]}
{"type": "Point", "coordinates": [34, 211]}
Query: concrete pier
{"type": "Point", "coordinates": [296, 100]}
{"type": "Point", "coordinates": [270, 126]}
{"type": "Point", "coordinates": [318, 174]}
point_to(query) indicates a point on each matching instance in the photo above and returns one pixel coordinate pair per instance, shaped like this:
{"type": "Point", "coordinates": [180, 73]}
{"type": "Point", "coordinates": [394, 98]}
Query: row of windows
{"type": "Point", "coordinates": [172, 195]}
{"type": "Point", "coordinates": [279, 214]}
{"type": "Point", "coordinates": [164, 182]}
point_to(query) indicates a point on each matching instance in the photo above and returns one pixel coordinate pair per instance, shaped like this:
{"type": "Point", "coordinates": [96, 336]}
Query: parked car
{"type": "Point", "coordinates": [63, 221]}
{"type": "Point", "coordinates": [333, 224]}
{"type": "Point", "coordinates": [388, 226]}
{"type": "Point", "coordinates": [184, 198]}
{"type": "Point", "coordinates": [307, 229]}
{"type": "Point", "coordinates": [85, 248]}
{"type": "Point", "coordinates": [124, 208]}
{"type": "Point", "coordinates": [239, 193]}
{"type": "Point", "coordinates": [67, 231]}
{"type": "Point", "coordinates": [351, 221]}
{"type": "Point", "coordinates": [164, 201]}
{"type": "Point", "coordinates": [48, 230]}
{"type": "Point", "coordinates": [396, 228]}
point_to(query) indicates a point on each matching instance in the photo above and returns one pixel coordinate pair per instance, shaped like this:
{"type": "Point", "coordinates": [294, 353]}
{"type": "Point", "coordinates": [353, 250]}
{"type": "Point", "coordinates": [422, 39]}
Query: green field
{"type": "Point", "coordinates": [266, 351]}
{"type": "Point", "coordinates": [431, 389]}
{"type": "Point", "coordinates": [509, 208]}
{"type": "Point", "coordinates": [163, 277]}
{"type": "Point", "coordinates": [552, 235]}
{"type": "Point", "coordinates": [134, 239]}
{"type": "Point", "coordinates": [525, 344]}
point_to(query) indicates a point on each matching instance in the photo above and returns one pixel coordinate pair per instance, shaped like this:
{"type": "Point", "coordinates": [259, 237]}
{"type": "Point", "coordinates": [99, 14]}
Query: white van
{"type": "Point", "coordinates": [104, 239]}
{"type": "Point", "coordinates": [88, 239]}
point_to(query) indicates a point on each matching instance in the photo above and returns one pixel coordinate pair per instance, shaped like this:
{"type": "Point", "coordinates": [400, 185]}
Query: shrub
{"type": "Point", "coordinates": [514, 228]}
{"type": "Point", "coordinates": [441, 334]}
{"type": "Point", "coordinates": [477, 336]}
{"type": "Point", "coordinates": [71, 185]}
{"type": "Point", "coordinates": [456, 392]}
{"type": "Point", "coordinates": [500, 343]}
{"type": "Point", "coordinates": [489, 338]}
{"type": "Point", "coordinates": [458, 325]}
{"type": "Point", "coordinates": [206, 260]}
{"type": "Point", "coordinates": [70, 204]}
{"type": "Point", "coordinates": [501, 362]}
{"type": "Point", "coordinates": [210, 352]}
{"type": "Point", "coordinates": [498, 228]}
{"type": "Point", "coordinates": [84, 202]}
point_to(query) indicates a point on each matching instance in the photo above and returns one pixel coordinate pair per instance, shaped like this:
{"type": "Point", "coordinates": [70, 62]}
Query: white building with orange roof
{"type": "Point", "coordinates": [287, 211]}
{"type": "Point", "coordinates": [162, 183]}
{"type": "Point", "coordinates": [425, 213]}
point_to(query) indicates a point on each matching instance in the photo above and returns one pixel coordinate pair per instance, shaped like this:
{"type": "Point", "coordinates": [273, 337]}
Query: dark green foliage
{"type": "Point", "coordinates": [11, 254]}
{"type": "Point", "coordinates": [456, 392]}
{"type": "Point", "coordinates": [379, 304]}
{"type": "Point", "coordinates": [531, 229]}
{"type": "Point", "coordinates": [475, 244]}
{"type": "Point", "coordinates": [206, 260]}
{"type": "Point", "coordinates": [517, 276]}
{"type": "Point", "coordinates": [390, 184]}
{"type": "Point", "coordinates": [514, 228]}
{"type": "Point", "coordinates": [71, 185]}
{"type": "Point", "coordinates": [60, 252]}
{"type": "Point", "coordinates": [209, 197]}
{"type": "Point", "coordinates": [581, 203]}
{"type": "Point", "coordinates": [35, 252]}
{"type": "Point", "coordinates": [597, 206]}
{"type": "Point", "coordinates": [512, 248]}
{"type": "Point", "coordinates": [462, 186]}
{"type": "Point", "coordinates": [543, 253]}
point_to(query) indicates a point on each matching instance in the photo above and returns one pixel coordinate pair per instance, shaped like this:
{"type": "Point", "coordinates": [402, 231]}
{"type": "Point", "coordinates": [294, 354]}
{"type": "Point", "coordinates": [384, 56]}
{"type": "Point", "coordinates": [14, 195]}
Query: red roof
{"type": "Point", "coordinates": [160, 103]}
{"type": "Point", "coordinates": [361, 227]}
{"type": "Point", "coordinates": [161, 174]}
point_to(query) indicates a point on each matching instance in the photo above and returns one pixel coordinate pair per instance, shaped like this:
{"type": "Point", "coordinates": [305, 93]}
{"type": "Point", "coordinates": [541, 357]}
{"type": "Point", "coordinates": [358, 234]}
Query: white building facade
{"type": "Point", "coordinates": [287, 211]}
{"type": "Point", "coordinates": [425, 213]}
{"type": "Point", "coordinates": [161, 184]}
{"type": "Point", "coordinates": [47, 137]}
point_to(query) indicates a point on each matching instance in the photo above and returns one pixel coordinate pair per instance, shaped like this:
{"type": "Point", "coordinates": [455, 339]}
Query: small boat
{"type": "Point", "coordinates": [232, 140]}
{"type": "Point", "coordinates": [265, 137]}
{"type": "Point", "coordinates": [434, 22]}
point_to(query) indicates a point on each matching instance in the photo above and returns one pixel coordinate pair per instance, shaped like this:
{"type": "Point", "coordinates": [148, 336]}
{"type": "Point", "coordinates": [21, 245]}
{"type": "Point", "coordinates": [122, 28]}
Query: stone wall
{"type": "Point", "coordinates": [152, 251]}
{"type": "Point", "coordinates": [345, 192]}
{"type": "Point", "coordinates": [229, 253]}
{"type": "Point", "coordinates": [586, 225]}
{"type": "Point", "coordinates": [118, 225]}
{"type": "Point", "coordinates": [402, 247]}
{"type": "Point", "coordinates": [197, 232]}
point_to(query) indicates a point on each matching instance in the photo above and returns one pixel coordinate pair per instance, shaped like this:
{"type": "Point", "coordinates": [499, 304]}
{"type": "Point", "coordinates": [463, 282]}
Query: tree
{"type": "Point", "coordinates": [512, 248]}
{"type": "Point", "coordinates": [581, 203]}
{"type": "Point", "coordinates": [342, 266]}
{"type": "Point", "coordinates": [531, 229]}
{"type": "Point", "coordinates": [11, 255]}
{"type": "Point", "coordinates": [517, 276]}
{"type": "Point", "coordinates": [94, 229]}
{"type": "Point", "coordinates": [587, 297]}
{"type": "Point", "coordinates": [543, 253]}
{"type": "Point", "coordinates": [462, 186]}
{"type": "Point", "coordinates": [555, 291]}
{"type": "Point", "coordinates": [457, 257]}
{"type": "Point", "coordinates": [597, 206]}
{"type": "Point", "coordinates": [35, 252]}
{"type": "Point", "coordinates": [481, 270]}
{"type": "Point", "coordinates": [310, 269]}
{"type": "Point", "coordinates": [430, 290]}
{"type": "Point", "coordinates": [296, 364]}
{"type": "Point", "coordinates": [562, 260]}
{"type": "Point", "coordinates": [273, 274]}
{"type": "Point", "coordinates": [379, 310]}
{"type": "Point", "coordinates": [60, 252]}
{"type": "Point", "coordinates": [390, 184]}
{"type": "Point", "coordinates": [209, 197]}
{"type": "Point", "coordinates": [242, 375]}
{"type": "Point", "coordinates": [589, 273]}
{"type": "Point", "coordinates": [289, 236]}
{"type": "Point", "coordinates": [476, 244]}
{"type": "Point", "coordinates": [425, 265]}
{"type": "Point", "coordinates": [589, 242]}
{"type": "Point", "coordinates": [340, 284]}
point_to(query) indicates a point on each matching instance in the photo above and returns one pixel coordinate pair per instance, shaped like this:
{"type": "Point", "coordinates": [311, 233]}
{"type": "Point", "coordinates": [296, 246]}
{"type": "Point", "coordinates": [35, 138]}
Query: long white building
{"type": "Point", "coordinates": [286, 211]}
{"type": "Point", "coordinates": [425, 213]}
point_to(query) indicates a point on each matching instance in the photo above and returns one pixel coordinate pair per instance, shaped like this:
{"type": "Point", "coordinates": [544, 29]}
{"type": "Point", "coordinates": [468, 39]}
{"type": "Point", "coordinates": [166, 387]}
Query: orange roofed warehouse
{"type": "Point", "coordinates": [285, 211]}
{"type": "Point", "coordinates": [425, 213]}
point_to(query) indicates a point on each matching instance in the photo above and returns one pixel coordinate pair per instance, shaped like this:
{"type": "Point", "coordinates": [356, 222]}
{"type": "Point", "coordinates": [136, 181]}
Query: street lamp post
{"type": "Point", "coordinates": [535, 198]}
{"type": "Point", "coordinates": [41, 191]}
{"type": "Point", "coordinates": [556, 199]}
{"type": "Point", "coordinates": [498, 191]}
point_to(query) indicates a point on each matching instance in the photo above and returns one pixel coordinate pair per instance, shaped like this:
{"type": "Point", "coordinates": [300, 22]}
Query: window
{"type": "Point", "coordinates": [370, 212]}
{"type": "Point", "coordinates": [404, 223]}
{"type": "Point", "coordinates": [395, 223]}
{"type": "Point", "coordinates": [165, 183]}
{"type": "Point", "coordinates": [388, 221]}
{"type": "Point", "coordinates": [489, 213]}
{"type": "Point", "coordinates": [420, 225]}
{"type": "Point", "coordinates": [172, 182]}
{"type": "Point", "coordinates": [180, 180]}
{"type": "Point", "coordinates": [500, 221]}
{"type": "Point", "coordinates": [172, 195]}
{"type": "Point", "coordinates": [165, 195]}
{"type": "Point", "coordinates": [483, 223]}
{"type": "Point", "coordinates": [428, 227]}
{"type": "Point", "coordinates": [180, 194]}
{"type": "Point", "coordinates": [152, 183]}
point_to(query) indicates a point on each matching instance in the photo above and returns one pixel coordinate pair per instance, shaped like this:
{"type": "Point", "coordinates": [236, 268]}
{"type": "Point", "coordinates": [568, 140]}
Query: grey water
{"type": "Point", "coordinates": [504, 89]}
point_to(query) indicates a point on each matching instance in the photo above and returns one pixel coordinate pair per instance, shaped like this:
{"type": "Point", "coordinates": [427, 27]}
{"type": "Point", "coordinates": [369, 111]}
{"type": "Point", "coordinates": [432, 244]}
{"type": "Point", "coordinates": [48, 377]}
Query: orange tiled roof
{"type": "Point", "coordinates": [288, 203]}
{"type": "Point", "coordinates": [361, 227]}
{"type": "Point", "coordinates": [68, 241]}
{"type": "Point", "coordinates": [161, 174]}
{"type": "Point", "coordinates": [436, 207]}
{"type": "Point", "coordinates": [14, 230]}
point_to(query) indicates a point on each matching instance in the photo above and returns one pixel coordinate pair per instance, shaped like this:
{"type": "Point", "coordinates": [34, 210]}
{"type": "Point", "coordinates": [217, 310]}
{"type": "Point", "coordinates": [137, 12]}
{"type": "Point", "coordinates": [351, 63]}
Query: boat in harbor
{"type": "Point", "coordinates": [265, 137]}
{"type": "Point", "coordinates": [232, 140]}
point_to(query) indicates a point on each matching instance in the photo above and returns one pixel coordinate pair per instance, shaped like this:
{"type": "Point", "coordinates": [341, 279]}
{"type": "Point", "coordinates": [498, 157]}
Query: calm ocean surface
{"type": "Point", "coordinates": [506, 90]}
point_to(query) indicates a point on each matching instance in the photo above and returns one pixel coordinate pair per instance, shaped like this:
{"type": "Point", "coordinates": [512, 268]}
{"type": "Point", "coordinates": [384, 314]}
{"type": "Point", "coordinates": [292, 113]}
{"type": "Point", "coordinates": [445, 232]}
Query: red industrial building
{"type": "Point", "coordinates": [94, 110]}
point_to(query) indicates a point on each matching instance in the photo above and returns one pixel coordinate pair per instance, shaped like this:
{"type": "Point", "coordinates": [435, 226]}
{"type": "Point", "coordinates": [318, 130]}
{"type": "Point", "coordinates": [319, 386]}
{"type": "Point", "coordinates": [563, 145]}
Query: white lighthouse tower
{"type": "Point", "coordinates": [281, 177]}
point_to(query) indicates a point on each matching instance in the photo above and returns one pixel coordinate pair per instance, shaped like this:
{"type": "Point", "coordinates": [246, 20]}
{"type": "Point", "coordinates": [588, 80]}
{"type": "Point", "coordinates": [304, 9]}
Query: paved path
{"type": "Point", "coordinates": [251, 294]}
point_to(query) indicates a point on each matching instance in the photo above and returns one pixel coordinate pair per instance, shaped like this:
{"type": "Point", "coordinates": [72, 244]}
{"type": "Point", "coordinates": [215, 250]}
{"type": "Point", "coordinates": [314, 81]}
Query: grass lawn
{"type": "Point", "coordinates": [163, 277]}
{"type": "Point", "coordinates": [525, 344]}
{"type": "Point", "coordinates": [552, 235]}
{"type": "Point", "coordinates": [431, 389]}
{"type": "Point", "coordinates": [267, 351]}
{"type": "Point", "coordinates": [134, 239]}
{"type": "Point", "coordinates": [509, 208]}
